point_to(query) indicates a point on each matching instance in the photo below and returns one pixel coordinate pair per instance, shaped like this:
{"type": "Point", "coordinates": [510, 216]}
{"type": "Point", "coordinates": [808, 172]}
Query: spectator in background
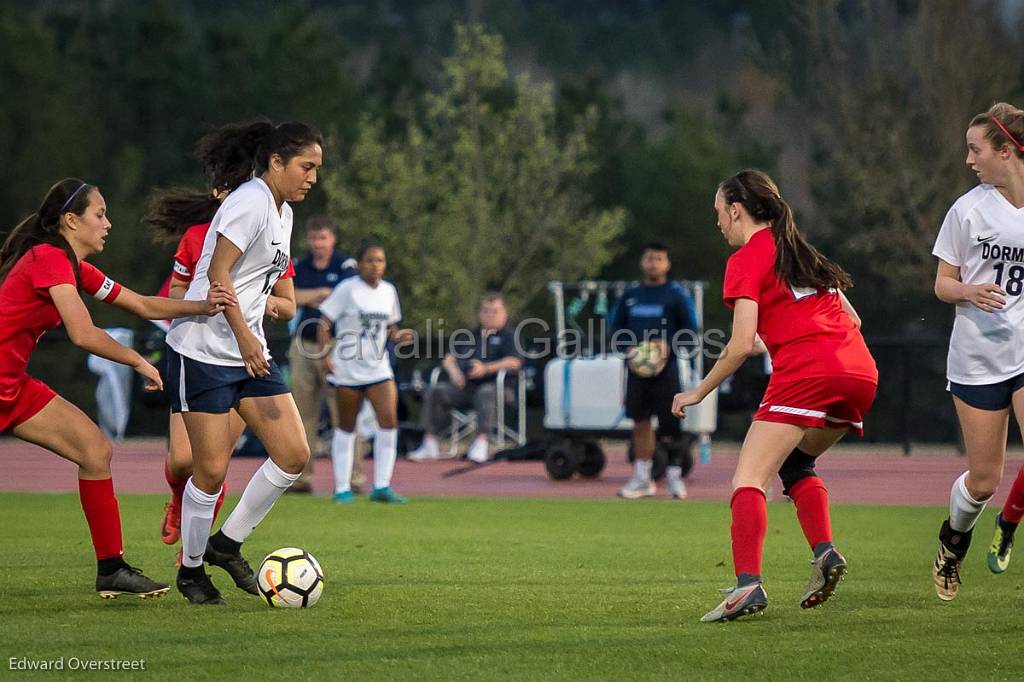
{"type": "Point", "coordinates": [316, 275]}
{"type": "Point", "coordinates": [471, 370]}
{"type": "Point", "coordinates": [656, 310]}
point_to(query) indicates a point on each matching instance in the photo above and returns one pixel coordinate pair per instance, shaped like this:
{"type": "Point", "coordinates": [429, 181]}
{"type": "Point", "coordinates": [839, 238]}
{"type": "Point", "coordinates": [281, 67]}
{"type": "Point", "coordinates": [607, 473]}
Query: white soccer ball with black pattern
{"type": "Point", "coordinates": [290, 578]}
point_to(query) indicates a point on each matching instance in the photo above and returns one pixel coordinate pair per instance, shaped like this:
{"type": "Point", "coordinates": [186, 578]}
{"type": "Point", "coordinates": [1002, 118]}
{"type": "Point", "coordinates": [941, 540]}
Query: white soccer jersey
{"type": "Point", "coordinates": [249, 218]}
{"type": "Point", "coordinates": [983, 235]}
{"type": "Point", "coordinates": [361, 315]}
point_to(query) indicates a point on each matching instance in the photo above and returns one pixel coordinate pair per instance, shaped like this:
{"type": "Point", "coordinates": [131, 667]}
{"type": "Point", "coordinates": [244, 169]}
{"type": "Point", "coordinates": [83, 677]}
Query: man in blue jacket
{"type": "Point", "coordinates": [661, 312]}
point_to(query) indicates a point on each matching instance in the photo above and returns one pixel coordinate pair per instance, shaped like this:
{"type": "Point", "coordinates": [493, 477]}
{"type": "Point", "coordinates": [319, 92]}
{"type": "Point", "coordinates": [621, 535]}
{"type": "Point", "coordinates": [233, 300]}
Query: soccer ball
{"type": "Point", "coordinates": [290, 578]}
{"type": "Point", "coordinates": [646, 359]}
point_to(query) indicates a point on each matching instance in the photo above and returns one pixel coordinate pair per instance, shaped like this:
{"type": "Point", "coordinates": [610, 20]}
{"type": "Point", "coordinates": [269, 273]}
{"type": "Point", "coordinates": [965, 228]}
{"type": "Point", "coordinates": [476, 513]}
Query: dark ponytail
{"type": "Point", "coordinates": [70, 195]}
{"type": "Point", "coordinates": [234, 153]}
{"type": "Point", "coordinates": [172, 211]}
{"type": "Point", "coordinates": [797, 263]}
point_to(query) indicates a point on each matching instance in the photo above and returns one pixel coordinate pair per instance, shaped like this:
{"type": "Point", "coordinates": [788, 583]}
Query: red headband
{"type": "Point", "coordinates": [1017, 144]}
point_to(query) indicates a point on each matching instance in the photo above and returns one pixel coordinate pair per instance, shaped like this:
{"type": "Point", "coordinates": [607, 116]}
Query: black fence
{"type": "Point", "coordinates": [912, 406]}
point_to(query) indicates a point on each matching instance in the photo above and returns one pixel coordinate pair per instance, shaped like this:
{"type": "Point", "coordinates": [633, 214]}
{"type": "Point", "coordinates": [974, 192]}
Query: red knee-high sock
{"type": "Point", "coordinates": [177, 486]}
{"type": "Point", "coordinates": [1013, 510]}
{"type": "Point", "coordinates": [811, 499]}
{"type": "Point", "coordinates": [103, 516]}
{"type": "Point", "coordinates": [749, 525]}
{"type": "Point", "coordinates": [220, 500]}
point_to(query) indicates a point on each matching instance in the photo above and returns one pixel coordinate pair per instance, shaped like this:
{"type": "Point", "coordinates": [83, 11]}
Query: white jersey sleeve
{"type": "Point", "coordinates": [241, 220]}
{"type": "Point", "coordinates": [396, 310]}
{"type": "Point", "coordinates": [336, 302]}
{"type": "Point", "coordinates": [948, 245]}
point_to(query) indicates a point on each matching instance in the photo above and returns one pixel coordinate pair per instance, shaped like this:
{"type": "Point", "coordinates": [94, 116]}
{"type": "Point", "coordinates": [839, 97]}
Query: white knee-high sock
{"type": "Point", "coordinates": [343, 446]}
{"type": "Point", "coordinates": [196, 520]}
{"type": "Point", "coordinates": [964, 510]}
{"type": "Point", "coordinates": [385, 451]}
{"type": "Point", "coordinates": [262, 491]}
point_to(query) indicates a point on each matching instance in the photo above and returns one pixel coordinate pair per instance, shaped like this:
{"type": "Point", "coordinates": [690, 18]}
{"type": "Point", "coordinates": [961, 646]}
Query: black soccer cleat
{"type": "Point", "coordinates": [235, 565]}
{"type": "Point", "coordinates": [199, 589]}
{"type": "Point", "coordinates": [128, 580]}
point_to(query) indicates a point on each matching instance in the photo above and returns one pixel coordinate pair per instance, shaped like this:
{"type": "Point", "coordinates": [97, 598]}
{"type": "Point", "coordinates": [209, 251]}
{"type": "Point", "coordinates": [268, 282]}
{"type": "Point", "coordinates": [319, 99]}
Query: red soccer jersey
{"type": "Point", "coordinates": [189, 249]}
{"type": "Point", "coordinates": [28, 310]}
{"type": "Point", "coordinates": [807, 332]}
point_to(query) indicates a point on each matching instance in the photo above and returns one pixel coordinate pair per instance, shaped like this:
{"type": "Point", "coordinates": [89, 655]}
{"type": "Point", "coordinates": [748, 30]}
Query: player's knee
{"type": "Point", "coordinates": [388, 422]}
{"type": "Point", "coordinates": [209, 476]}
{"type": "Point", "coordinates": [798, 466]}
{"type": "Point", "coordinates": [179, 460]}
{"type": "Point", "coordinates": [293, 458]}
{"type": "Point", "coordinates": [983, 484]}
{"type": "Point", "coordinates": [96, 453]}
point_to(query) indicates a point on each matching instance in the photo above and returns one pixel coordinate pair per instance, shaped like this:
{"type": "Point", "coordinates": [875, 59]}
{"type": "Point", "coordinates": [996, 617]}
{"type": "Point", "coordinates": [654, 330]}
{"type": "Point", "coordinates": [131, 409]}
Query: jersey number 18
{"type": "Point", "coordinates": [1015, 282]}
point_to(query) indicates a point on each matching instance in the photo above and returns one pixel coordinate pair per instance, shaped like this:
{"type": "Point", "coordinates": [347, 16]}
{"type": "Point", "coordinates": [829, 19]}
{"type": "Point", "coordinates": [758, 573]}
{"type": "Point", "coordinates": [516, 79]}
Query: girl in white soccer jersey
{"type": "Point", "coordinates": [362, 313]}
{"type": "Point", "coordinates": [981, 270]}
{"type": "Point", "coordinates": [219, 363]}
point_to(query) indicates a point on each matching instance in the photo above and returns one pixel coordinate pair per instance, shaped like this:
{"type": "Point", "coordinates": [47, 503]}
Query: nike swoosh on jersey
{"type": "Point", "coordinates": [275, 243]}
{"type": "Point", "coordinates": [987, 239]}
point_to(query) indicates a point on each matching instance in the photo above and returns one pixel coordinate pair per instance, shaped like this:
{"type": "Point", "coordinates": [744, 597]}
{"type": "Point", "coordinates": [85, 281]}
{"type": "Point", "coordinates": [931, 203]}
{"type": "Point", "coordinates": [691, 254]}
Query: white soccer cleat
{"type": "Point", "coordinates": [636, 488]}
{"type": "Point", "coordinates": [478, 451]}
{"type": "Point", "coordinates": [427, 451]}
{"type": "Point", "coordinates": [676, 487]}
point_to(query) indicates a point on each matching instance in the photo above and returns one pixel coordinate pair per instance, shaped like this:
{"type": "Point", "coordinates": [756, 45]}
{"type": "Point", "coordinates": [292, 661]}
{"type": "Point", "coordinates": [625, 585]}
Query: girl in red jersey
{"type": "Point", "coordinates": [42, 272]}
{"type": "Point", "coordinates": [784, 291]}
{"type": "Point", "coordinates": [185, 214]}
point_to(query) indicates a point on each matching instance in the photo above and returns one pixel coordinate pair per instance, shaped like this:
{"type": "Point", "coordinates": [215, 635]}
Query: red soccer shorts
{"type": "Point", "coordinates": [30, 396]}
{"type": "Point", "coordinates": [819, 402]}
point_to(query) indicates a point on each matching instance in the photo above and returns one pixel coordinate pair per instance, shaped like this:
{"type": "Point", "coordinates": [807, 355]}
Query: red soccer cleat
{"type": "Point", "coordinates": [170, 529]}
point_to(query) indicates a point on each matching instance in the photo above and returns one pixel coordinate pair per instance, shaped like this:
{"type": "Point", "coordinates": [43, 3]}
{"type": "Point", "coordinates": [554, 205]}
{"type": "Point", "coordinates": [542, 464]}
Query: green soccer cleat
{"type": "Point", "coordinates": [1002, 544]}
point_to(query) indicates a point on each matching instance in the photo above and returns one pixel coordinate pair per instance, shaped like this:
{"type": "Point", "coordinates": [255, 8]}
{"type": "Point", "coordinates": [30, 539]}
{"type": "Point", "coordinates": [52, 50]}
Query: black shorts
{"type": "Point", "coordinates": [195, 386]}
{"type": "Point", "coordinates": [646, 398]}
{"type": "Point", "coordinates": [995, 397]}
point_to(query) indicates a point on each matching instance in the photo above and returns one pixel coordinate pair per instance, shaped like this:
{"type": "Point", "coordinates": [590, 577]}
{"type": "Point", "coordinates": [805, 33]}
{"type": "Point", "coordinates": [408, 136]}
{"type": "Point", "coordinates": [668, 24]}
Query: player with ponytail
{"type": "Point", "coordinates": [43, 273]}
{"type": "Point", "coordinates": [786, 292]}
{"type": "Point", "coordinates": [981, 272]}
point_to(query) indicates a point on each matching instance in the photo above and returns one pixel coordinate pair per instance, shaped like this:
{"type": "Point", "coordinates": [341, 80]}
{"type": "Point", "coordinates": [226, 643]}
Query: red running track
{"type": "Point", "coordinates": [853, 475]}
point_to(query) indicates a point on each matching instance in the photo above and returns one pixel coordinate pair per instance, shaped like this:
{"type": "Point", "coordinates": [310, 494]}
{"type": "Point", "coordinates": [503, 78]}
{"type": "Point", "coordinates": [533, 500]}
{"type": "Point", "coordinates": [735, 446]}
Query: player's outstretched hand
{"type": "Point", "coordinates": [252, 355]}
{"type": "Point", "coordinates": [987, 297]}
{"type": "Point", "coordinates": [153, 382]}
{"type": "Point", "coordinates": [218, 298]}
{"type": "Point", "coordinates": [683, 400]}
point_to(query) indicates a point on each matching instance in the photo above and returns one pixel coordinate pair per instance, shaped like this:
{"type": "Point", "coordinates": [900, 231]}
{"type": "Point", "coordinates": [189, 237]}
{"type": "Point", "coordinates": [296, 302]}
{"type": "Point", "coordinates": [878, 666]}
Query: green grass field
{"type": "Point", "coordinates": [520, 589]}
